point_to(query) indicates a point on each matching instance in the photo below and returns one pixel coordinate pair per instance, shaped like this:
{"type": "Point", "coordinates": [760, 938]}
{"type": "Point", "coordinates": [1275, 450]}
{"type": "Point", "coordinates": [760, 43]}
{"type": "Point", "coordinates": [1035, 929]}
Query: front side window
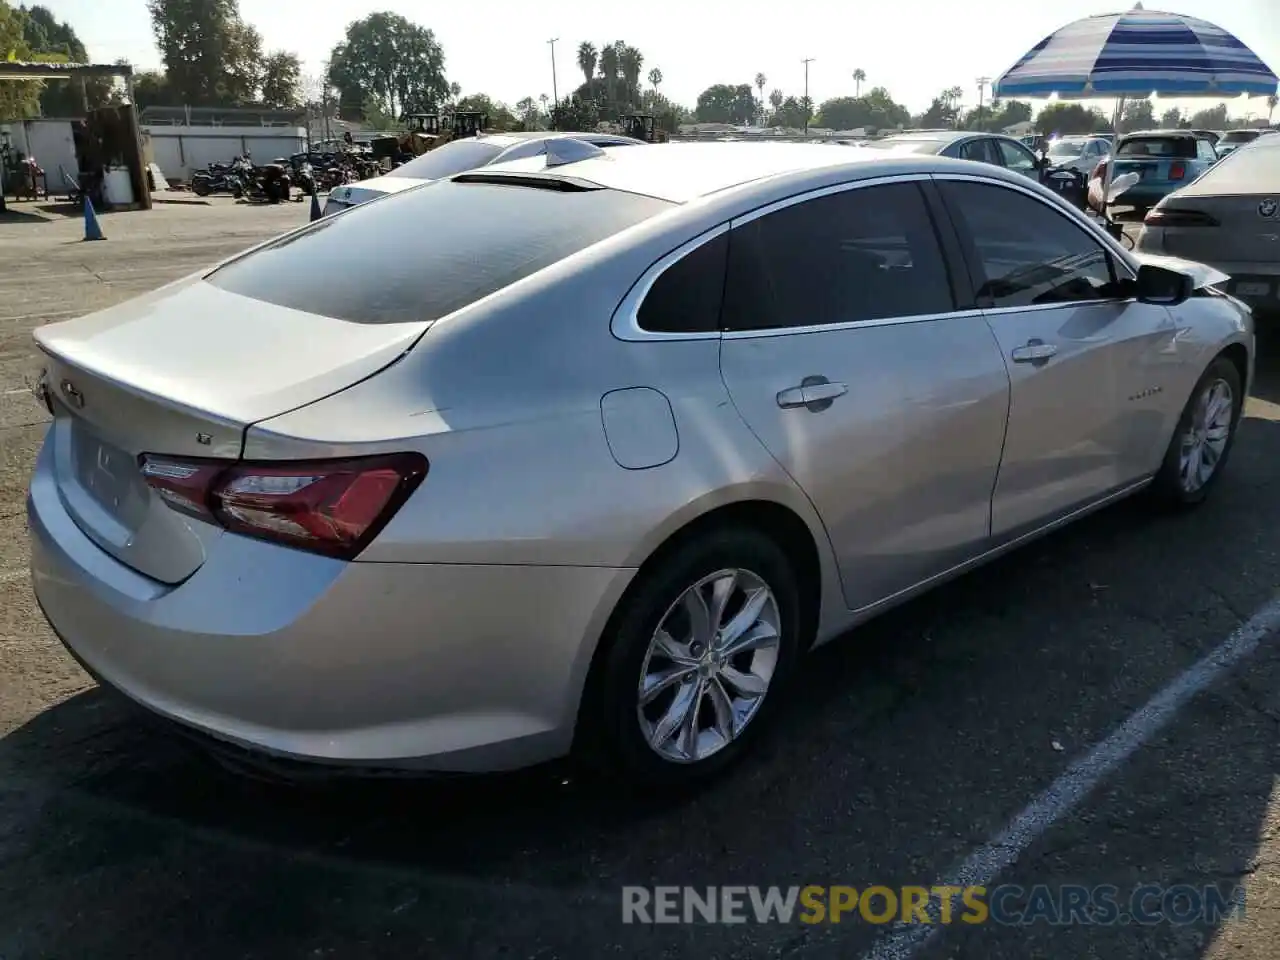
{"type": "Point", "coordinates": [979, 150]}
{"type": "Point", "coordinates": [1017, 157]}
{"type": "Point", "coordinates": [1027, 253]}
{"type": "Point", "coordinates": [869, 253]}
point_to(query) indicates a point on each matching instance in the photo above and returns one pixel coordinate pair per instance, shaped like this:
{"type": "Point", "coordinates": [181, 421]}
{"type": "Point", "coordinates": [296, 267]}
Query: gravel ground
{"type": "Point", "coordinates": [911, 746]}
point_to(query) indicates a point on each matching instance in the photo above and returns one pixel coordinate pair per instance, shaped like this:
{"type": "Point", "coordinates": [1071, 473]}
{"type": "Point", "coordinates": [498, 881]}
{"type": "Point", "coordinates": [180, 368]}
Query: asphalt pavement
{"type": "Point", "coordinates": [1049, 720]}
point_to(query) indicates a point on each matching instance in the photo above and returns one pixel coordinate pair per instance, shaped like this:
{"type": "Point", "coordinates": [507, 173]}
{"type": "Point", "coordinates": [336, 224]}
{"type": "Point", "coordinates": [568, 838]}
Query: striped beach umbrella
{"type": "Point", "coordinates": [1137, 54]}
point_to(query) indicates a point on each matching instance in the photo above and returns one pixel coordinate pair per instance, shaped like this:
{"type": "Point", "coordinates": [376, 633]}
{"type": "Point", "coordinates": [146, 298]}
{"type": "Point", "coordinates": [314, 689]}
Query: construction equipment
{"type": "Point", "coordinates": [642, 126]}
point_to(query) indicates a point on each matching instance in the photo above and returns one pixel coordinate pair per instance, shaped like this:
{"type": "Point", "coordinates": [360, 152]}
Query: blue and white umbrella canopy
{"type": "Point", "coordinates": [1137, 54]}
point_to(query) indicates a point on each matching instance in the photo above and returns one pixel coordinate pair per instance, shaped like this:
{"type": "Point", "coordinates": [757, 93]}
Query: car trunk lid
{"type": "Point", "coordinates": [1220, 229]}
{"type": "Point", "coordinates": [184, 371]}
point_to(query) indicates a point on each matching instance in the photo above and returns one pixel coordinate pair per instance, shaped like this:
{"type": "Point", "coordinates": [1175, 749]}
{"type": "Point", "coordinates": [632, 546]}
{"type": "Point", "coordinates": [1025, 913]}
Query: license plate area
{"type": "Point", "coordinates": [106, 473]}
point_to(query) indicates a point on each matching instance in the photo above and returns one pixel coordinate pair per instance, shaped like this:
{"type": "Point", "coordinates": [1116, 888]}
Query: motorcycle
{"type": "Point", "coordinates": [222, 178]}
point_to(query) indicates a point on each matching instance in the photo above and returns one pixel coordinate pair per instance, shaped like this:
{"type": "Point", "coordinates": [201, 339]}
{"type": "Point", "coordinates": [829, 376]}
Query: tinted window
{"type": "Point", "coordinates": [979, 150]}
{"type": "Point", "coordinates": [1017, 158]}
{"type": "Point", "coordinates": [450, 159]}
{"type": "Point", "coordinates": [429, 251]}
{"type": "Point", "coordinates": [1027, 253]}
{"type": "Point", "coordinates": [1182, 147]}
{"type": "Point", "coordinates": [862, 254]}
{"type": "Point", "coordinates": [686, 296]}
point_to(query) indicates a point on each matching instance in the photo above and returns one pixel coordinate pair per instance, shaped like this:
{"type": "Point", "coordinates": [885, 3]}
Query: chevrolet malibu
{"type": "Point", "coordinates": [590, 471]}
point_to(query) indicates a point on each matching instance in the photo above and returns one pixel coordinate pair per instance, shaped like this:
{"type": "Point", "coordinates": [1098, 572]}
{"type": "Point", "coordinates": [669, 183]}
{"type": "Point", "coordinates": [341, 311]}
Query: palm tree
{"type": "Point", "coordinates": [761, 80]}
{"type": "Point", "coordinates": [587, 58]}
{"type": "Point", "coordinates": [609, 64]}
{"type": "Point", "coordinates": [775, 100]}
{"type": "Point", "coordinates": [859, 75]}
{"type": "Point", "coordinates": [630, 62]}
{"type": "Point", "coordinates": [544, 98]}
{"type": "Point", "coordinates": [1271, 107]}
{"type": "Point", "coordinates": [655, 79]}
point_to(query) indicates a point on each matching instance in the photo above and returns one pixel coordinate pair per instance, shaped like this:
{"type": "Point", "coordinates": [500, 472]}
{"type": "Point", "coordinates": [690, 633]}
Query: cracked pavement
{"type": "Point", "coordinates": [907, 747]}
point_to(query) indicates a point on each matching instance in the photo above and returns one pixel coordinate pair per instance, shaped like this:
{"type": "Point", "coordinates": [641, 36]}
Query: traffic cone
{"type": "Point", "coordinates": [315, 205]}
{"type": "Point", "coordinates": [91, 229]}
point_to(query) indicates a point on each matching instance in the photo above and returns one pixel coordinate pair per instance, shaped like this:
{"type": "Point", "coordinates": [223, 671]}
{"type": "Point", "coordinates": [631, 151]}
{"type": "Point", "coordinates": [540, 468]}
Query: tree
{"type": "Point", "coordinates": [1213, 118]}
{"type": "Point", "coordinates": [790, 112]}
{"type": "Point", "coordinates": [50, 40]}
{"type": "Point", "coordinates": [876, 111]}
{"type": "Point", "coordinates": [211, 57]}
{"type": "Point", "coordinates": [1171, 119]}
{"type": "Point", "coordinates": [18, 100]}
{"type": "Point", "coordinates": [609, 69]}
{"type": "Point", "coordinates": [281, 80]}
{"type": "Point", "coordinates": [528, 114]}
{"type": "Point", "coordinates": [392, 60]}
{"type": "Point", "coordinates": [574, 113]}
{"type": "Point", "coordinates": [1272, 101]}
{"type": "Point", "coordinates": [859, 77]}
{"type": "Point", "coordinates": [587, 59]}
{"type": "Point", "coordinates": [776, 100]}
{"type": "Point", "coordinates": [655, 79]}
{"type": "Point", "coordinates": [1139, 115]}
{"type": "Point", "coordinates": [1069, 118]}
{"type": "Point", "coordinates": [151, 89]}
{"type": "Point", "coordinates": [761, 80]}
{"type": "Point", "coordinates": [500, 116]}
{"type": "Point", "coordinates": [726, 103]}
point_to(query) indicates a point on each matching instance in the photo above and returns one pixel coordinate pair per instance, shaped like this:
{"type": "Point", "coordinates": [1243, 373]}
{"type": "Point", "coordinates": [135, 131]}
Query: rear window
{"type": "Point", "coordinates": [1067, 148]}
{"type": "Point", "coordinates": [1240, 136]}
{"type": "Point", "coordinates": [1181, 147]}
{"type": "Point", "coordinates": [426, 252]}
{"type": "Point", "coordinates": [450, 159]}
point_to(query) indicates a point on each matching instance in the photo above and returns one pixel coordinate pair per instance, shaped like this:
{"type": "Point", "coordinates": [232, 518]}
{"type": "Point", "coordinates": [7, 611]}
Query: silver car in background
{"type": "Point", "coordinates": [591, 469]}
{"type": "Point", "coordinates": [458, 155]}
{"type": "Point", "coordinates": [1229, 218]}
{"type": "Point", "coordinates": [1081, 154]}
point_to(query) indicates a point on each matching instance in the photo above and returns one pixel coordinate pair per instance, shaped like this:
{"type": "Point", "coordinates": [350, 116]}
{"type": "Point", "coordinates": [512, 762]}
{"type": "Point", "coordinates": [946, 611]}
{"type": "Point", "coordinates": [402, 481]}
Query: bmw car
{"type": "Point", "coordinates": [590, 472]}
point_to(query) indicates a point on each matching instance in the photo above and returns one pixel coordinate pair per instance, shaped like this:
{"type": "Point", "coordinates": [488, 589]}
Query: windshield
{"type": "Point", "coordinates": [1066, 148]}
{"type": "Point", "coordinates": [1183, 147]}
{"type": "Point", "coordinates": [452, 158]}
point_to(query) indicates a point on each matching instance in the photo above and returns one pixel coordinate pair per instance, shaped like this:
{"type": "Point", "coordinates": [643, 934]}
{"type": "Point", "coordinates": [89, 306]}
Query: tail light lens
{"type": "Point", "coordinates": [1173, 217]}
{"type": "Point", "coordinates": [1177, 170]}
{"type": "Point", "coordinates": [334, 507]}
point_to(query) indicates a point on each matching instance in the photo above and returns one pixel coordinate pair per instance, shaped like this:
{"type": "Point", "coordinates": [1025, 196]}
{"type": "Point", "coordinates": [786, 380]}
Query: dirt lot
{"type": "Point", "coordinates": [987, 704]}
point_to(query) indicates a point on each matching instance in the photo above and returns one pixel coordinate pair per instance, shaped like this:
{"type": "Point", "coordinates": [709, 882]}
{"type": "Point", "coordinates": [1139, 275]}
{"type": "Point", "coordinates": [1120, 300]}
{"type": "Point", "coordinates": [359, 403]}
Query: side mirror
{"type": "Point", "coordinates": [1168, 288]}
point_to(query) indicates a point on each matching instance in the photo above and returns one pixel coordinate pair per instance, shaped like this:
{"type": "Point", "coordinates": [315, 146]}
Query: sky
{"type": "Point", "coordinates": [915, 48]}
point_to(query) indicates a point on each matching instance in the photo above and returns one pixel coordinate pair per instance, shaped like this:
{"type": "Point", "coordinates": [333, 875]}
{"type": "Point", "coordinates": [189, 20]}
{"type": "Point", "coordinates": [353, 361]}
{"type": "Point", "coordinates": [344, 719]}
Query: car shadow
{"type": "Point", "coordinates": [11, 214]}
{"type": "Point", "coordinates": [905, 748]}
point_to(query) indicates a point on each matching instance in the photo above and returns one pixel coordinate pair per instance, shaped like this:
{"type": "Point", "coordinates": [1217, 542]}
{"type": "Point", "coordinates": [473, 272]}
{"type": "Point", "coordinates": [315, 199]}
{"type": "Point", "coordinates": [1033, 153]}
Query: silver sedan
{"type": "Point", "coordinates": [591, 468]}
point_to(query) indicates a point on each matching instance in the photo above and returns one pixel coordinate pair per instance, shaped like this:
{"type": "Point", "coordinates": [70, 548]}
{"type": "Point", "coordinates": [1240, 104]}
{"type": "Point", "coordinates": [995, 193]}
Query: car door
{"type": "Point", "coordinates": [1087, 363]}
{"type": "Point", "coordinates": [844, 352]}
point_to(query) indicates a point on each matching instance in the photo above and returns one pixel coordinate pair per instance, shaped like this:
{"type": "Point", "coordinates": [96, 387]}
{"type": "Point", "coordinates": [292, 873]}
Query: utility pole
{"type": "Point", "coordinates": [983, 83]}
{"type": "Point", "coordinates": [555, 95]}
{"type": "Point", "coordinates": [806, 62]}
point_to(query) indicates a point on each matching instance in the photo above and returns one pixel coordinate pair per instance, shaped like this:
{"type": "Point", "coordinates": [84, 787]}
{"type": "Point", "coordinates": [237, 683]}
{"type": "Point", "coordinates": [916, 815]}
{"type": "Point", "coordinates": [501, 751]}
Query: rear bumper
{"type": "Point", "coordinates": [433, 667]}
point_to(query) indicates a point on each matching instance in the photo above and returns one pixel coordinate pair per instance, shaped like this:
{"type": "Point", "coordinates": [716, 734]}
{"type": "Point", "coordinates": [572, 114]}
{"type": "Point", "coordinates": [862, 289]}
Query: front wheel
{"type": "Point", "coordinates": [1203, 439]}
{"type": "Point", "coordinates": [693, 662]}
{"type": "Point", "coordinates": [201, 187]}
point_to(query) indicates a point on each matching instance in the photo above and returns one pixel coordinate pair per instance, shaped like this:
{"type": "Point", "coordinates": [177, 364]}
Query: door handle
{"type": "Point", "coordinates": [1035, 351]}
{"type": "Point", "coordinates": [814, 393]}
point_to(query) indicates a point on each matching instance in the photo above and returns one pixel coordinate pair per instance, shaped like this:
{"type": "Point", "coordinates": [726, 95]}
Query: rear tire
{"type": "Point", "coordinates": [1202, 440]}
{"type": "Point", "coordinates": [201, 188]}
{"type": "Point", "coordinates": [621, 728]}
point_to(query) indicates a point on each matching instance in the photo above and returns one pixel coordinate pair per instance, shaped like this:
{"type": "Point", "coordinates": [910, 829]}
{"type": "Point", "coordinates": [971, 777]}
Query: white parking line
{"type": "Point", "coordinates": [985, 864]}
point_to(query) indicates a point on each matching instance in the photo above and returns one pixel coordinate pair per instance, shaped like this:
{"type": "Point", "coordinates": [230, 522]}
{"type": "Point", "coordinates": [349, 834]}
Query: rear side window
{"type": "Point", "coordinates": [869, 253]}
{"type": "Point", "coordinates": [426, 252]}
{"type": "Point", "coordinates": [1183, 148]}
{"type": "Point", "coordinates": [686, 296]}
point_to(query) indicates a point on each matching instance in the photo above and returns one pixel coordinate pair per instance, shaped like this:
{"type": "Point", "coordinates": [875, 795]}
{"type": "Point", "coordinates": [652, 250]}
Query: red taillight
{"type": "Point", "coordinates": [1173, 217]}
{"type": "Point", "coordinates": [1177, 170]}
{"type": "Point", "coordinates": [333, 507]}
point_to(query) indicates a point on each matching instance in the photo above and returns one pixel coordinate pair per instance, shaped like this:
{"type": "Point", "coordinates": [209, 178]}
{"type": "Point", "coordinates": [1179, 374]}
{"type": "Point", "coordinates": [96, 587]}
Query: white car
{"type": "Point", "coordinates": [1081, 154]}
{"type": "Point", "coordinates": [458, 156]}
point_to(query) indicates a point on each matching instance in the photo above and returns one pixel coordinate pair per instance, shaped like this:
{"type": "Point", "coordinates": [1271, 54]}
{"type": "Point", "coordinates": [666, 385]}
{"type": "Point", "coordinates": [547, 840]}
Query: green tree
{"type": "Point", "coordinates": [1272, 101]}
{"type": "Point", "coordinates": [761, 80]}
{"type": "Point", "coordinates": [500, 116]}
{"type": "Point", "coordinates": [790, 113]}
{"type": "Point", "coordinates": [574, 113]}
{"type": "Point", "coordinates": [776, 100]}
{"type": "Point", "coordinates": [655, 79]}
{"type": "Point", "coordinates": [610, 69]}
{"type": "Point", "coordinates": [51, 40]}
{"type": "Point", "coordinates": [630, 63]}
{"type": "Point", "coordinates": [18, 100]}
{"type": "Point", "coordinates": [587, 59]}
{"type": "Point", "coordinates": [1139, 115]}
{"type": "Point", "coordinates": [940, 113]}
{"type": "Point", "coordinates": [282, 80]}
{"type": "Point", "coordinates": [1212, 118]}
{"type": "Point", "coordinates": [211, 56]}
{"type": "Point", "coordinates": [859, 78]}
{"type": "Point", "coordinates": [877, 110]}
{"type": "Point", "coordinates": [726, 103]}
{"type": "Point", "coordinates": [1171, 119]}
{"type": "Point", "coordinates": [528, 114]}
{"type": "Point", "coordinates": [391, 60]}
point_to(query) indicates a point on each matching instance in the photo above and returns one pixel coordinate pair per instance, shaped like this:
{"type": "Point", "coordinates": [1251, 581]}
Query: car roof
{"type": "Point", "coordinates": [1187, 134]}
{"type": "Point", "coordinates": [682, 172]}
{"type": "Point", "coordinates": [511, 137]}
{"type": "Point", "coordinates": [1251, 169]}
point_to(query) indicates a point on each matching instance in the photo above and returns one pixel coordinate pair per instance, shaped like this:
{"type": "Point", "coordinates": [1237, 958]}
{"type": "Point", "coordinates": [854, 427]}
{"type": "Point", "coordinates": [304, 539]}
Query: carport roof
{"type": "Point", "coordinates": [18, 70]}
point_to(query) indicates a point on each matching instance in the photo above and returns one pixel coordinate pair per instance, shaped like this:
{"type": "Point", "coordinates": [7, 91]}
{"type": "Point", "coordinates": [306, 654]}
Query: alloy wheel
{"type": "Point", "coordinates": [1206, 435]}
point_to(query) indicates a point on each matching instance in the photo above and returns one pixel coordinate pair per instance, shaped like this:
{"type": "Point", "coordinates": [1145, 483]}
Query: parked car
{"type": "Point", "coordinates": [1238, 138]}
{"type": "Point", "coordinates": [457, 156]}
{"type": "Point", "coordinates": [591, 469]}
{"type": "Point", "coordinates": [1229, 218]}
{"type": "Point", "coordinates": [1164, 160]}
{"type": "Point", "coordinates": [992, 148]}
{"type": "Point", "coordinates": [1081, 154]}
